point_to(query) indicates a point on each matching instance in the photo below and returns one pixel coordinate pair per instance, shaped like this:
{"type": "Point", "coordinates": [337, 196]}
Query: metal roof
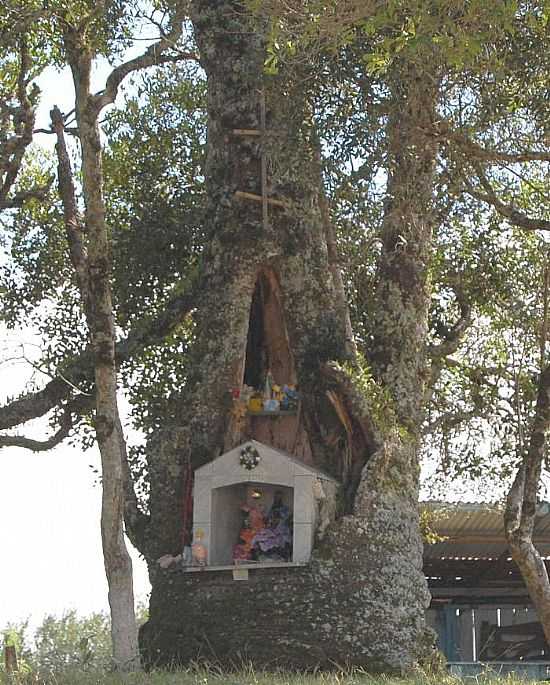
{"type": "Point", "coordinates": [476, 531]}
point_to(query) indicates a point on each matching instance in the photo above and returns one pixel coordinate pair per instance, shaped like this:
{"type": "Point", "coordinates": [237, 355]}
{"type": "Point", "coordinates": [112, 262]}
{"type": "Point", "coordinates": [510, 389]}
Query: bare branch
{"type": "Point", "coordinates": [544, 325]}
{"type": "Point", "coordinates": [450, 420]}
{"type": "Point", "coordinates": [65, 426]}
{"type": "Point", "coordinates": [333, 259]}
{"type": "Point", "coordinates": [19, 199]}
{"type": "Point", "coordinates": [514, 215]}
{"type": "Point", "coordinates": [135, 520]}
{"type": "Point", "coordinates": [474, 151]}
{"type": "Point", "coordinates": [73, 226]}
{"type": "Point", "coordinates": [153, 55]}
{"type": "Point", "coordinates": [34, 445]}
{"type": "Point", "coordinates": [79, 370]}
{"type": "Point", "coordinates": [439, 354]}
{"type": "Point", "coordinates": [23, 119]}
{"type": "Point", "coordinates": [521, 508]}
{"type": "Point", "coordinates": [455, 336]}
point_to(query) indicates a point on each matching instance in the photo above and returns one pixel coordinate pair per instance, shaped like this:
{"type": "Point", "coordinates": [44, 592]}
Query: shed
{"type": "Point", "coordinates": [480, 607]}
{"type": "Point", "coordinates": [225, 486]}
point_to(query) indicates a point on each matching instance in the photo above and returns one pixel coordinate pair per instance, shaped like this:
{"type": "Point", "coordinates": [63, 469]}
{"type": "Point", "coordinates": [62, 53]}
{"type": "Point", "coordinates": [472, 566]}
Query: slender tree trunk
{"type": "Point", "coordinates": [93, 273]}
{"type": "Point", "coordinates": [521, 509]}
{"type": "Point", "coordinates": [362, 598]}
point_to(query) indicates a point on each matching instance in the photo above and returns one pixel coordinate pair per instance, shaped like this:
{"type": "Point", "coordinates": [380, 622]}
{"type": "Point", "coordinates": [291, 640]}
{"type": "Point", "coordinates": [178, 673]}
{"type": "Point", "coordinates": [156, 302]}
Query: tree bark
{"type": "Point", "coordinates": [521, 509]}
{"type": "Point", "coordinates": [93, 269]}
{"type": "Point", "coordinates": [362, 598]}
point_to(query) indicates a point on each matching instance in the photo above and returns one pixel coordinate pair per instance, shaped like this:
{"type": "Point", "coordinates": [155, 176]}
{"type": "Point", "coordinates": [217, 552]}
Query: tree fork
{"type": "Point", "coordinates": [361, 600]}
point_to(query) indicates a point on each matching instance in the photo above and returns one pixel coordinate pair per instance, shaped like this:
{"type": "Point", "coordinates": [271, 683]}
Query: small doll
{"type": "Point", "coordinates": [198, 550]}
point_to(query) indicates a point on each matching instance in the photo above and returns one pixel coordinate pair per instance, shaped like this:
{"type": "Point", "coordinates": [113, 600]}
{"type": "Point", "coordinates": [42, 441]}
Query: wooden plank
{"type": "Point", "coordinates": [485, 625]}
{"type": "Point", "coordinates": [470, 539]}
{"type": "Point", "coordinates": [245, 565]}
{"type": "Point", "coordinates": [241, 194]}
{"type": "Point", "coordinates": [280, 412]}
{"type": "Point", "coordinates": [246, 132]}
{"type": "Point", "coordinates": [254, 132]}
{"type": "Point", "coordinates": [451, 536]}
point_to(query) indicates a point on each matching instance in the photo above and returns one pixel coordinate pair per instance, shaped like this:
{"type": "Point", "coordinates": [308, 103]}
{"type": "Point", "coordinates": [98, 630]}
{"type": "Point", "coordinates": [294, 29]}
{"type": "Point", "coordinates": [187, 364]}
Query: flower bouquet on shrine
{"type": "Point", "coordinates": [271, 399]}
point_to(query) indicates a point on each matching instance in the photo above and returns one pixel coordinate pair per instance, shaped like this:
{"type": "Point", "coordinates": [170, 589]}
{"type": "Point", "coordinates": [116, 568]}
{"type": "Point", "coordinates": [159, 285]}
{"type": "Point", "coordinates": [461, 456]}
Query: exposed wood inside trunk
{"type": "Point", "coordinates": [268, 349]}
{"type": "Point", "coordinates": [272, 302]}
{"type": "Point", "coordinates": [268, 346]}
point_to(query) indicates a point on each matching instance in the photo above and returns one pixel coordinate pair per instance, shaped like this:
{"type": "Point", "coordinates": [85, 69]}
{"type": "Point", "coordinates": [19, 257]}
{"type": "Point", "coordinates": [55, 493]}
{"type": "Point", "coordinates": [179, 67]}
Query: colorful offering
{"type": "Point", "coordinates": [271, 398]}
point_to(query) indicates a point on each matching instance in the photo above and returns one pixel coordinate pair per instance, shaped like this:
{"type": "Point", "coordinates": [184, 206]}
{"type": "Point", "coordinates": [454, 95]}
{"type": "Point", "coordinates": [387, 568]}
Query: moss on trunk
{"type": "Point", "coordinates": [361, 600]}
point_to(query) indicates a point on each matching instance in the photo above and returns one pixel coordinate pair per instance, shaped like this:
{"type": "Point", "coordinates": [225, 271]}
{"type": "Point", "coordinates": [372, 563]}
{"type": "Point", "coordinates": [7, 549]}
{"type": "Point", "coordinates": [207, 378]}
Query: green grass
{"type": "Point", "coordinates": [244, 677]}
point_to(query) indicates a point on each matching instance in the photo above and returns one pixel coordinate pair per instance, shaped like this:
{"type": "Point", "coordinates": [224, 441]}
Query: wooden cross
{"type": "Point", "coordinates": [263, 198]}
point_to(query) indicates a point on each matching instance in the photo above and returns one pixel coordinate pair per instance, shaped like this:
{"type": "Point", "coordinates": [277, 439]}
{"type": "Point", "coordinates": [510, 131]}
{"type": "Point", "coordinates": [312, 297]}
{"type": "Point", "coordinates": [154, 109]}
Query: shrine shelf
{"type": "Point", "coordinates": [279, 412]}
{"type": "Point", "coordinates": [248, 565]}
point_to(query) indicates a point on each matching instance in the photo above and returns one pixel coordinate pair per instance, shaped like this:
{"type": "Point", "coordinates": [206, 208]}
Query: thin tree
{"type": "Point", "coordinates": [523, 499]}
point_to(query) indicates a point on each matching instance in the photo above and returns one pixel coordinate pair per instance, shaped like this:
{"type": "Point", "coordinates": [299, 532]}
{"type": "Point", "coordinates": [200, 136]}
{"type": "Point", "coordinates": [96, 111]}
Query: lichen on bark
{"type": "Point", "coordinates": [362, 598]}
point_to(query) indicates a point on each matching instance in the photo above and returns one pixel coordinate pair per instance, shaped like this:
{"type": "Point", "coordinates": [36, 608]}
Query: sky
{"type": "Point", "coordinates": [51, 545]}
{"type": "Point", "coordinates": [50, 505]}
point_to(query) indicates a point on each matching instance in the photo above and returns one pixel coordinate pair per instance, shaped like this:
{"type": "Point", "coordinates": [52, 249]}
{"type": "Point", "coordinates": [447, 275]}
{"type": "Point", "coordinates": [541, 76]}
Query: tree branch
{"type": "Point", "coordinates": [513, 214]}
{"type": "Point", "coordinates": [475, 151]}
{"type": "Point", "coordinates": [358, 403]}
{"type": "Point", "coordinates": [519, 518]}
{"type": "Point", "coordinates": [449, 420]}
{"type": "Point", "coordinates": [79, 370]}
{"type": "Point", "coordinates": [73, 226]}
{"type": "Point", "coordinates": [34, 445]}
{"type": "Point", "coordinates": [20, 25]}
{"type": "Point", "coordinates": [521, 508]}
{"type": "Point", "coordinates": [19, 199]}
{"type": "Point", "coordinates": [23, 119]}
{"type": "Point", "coordinates": [439, 353]}
{"type": "Point", "coordinates": [136, 521]}
{"type": "Point", "coordinates": [454, 337]}
{"type": "Point", "coordinates": [152, 56]}
{"type": "Point", "coordinates": [65, 426]}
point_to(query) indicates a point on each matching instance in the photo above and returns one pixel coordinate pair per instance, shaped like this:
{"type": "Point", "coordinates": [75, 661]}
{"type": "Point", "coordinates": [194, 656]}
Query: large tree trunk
{"type": "Point", "coordinates": [362, 598]}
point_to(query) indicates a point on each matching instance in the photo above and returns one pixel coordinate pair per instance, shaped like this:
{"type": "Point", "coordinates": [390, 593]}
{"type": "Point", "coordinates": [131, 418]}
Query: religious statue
{"type": "Point", "coordinates": [274, 541]}
{"type": "Point", "coordinates": [253, 523]}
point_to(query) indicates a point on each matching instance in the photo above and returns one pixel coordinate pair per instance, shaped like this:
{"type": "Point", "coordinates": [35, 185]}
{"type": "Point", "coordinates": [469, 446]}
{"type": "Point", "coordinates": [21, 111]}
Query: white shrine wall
{"type": "Point", "coordinates": [220, 490]}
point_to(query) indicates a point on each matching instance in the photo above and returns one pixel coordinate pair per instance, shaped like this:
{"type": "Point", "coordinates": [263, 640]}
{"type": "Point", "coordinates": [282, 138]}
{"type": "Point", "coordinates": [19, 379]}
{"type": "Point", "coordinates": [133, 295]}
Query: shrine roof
{"type": "Point", "coordinates": [266, 451]}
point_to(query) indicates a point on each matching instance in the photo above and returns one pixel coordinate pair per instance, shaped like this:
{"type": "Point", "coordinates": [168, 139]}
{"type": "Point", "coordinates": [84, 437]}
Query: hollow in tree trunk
{"type": "Point", "coordinates": [271, 300]}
